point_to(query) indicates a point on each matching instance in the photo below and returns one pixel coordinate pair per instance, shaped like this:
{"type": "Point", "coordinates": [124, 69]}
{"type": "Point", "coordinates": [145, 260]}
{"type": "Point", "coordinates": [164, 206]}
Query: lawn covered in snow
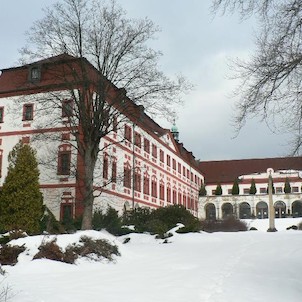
{"type": "Point", "coordinates": [203, 267]}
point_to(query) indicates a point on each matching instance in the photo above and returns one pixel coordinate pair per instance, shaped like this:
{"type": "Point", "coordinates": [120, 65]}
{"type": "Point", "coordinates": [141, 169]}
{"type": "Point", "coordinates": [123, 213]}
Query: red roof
{"type": "Point", "coordinates": [226, 171]}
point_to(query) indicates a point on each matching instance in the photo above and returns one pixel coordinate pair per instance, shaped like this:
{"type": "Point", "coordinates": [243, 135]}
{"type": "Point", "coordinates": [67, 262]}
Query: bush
{"type": "Point", "coordinates": [230, 224]}
{"type": "Point", "coordinates": [109, 221]}
{"type": "Point", "coordinates": [137, 217]}
{"type": "Point", "coordinates": [12, 235]}
{"type": "Point", "coordinates": [293, 227]}
{"type": "Point", "coordinates": [161, 220]}
{"type": "Point", "coordinates": [50, 224]}
{"type": "Point", "coordinates": [50, 250]}
{"type": "Point", "coordinates": [101, 248]}
{"type": "Point", "coordinates": [88, 247]}
{"type": "Point", "coordinates": [9, 254]}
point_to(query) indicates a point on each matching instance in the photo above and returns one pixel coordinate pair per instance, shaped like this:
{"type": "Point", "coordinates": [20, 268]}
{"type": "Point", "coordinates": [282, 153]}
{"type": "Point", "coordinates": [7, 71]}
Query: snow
{"type": "Point", "coordinates": [204, 267]}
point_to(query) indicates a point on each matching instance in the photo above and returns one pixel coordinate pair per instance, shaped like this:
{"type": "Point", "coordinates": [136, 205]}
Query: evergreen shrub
{"type": "Point", "coordinates": [230, 224]}
{"type": "Point", "coordinates": [161, 220]}
{"type": "Point", "coordinates": [21, 202]}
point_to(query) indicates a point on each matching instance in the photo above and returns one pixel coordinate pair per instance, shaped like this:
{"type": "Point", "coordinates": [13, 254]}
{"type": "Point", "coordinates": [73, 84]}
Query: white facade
{"type": "Point", "coordinates": [246, 205]}
{"type": "Point", "coordinates": [172, 171]}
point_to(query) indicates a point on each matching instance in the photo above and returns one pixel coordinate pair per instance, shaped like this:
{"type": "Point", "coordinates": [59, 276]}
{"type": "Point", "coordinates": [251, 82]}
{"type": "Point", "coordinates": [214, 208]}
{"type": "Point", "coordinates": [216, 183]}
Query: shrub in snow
{"type": "Point", "coordinates": [50, 250]}
{"type": "Point", "coordinates": [229, 224]}
{"type": "Point", "coordinates": [94, 248]}
{"type": "Point", "coordinates": [87, 247]}
{"type": "Point", "coordinates": [109, 221]}
{"type": "Point", "coordinates": [49, 224]}
{"type": "Point", "coordinates": [161, 220]}
{"type": "Point", "coordinates": [21, 202]}
{"type": "Point", "coordinates": [137, 217]}
{"type": "Point", "coordinates": [292, 227]}
{"type": "Point", "coordinates": [253, 229]}
{"type": "Point", "coordinates": [9, 254]}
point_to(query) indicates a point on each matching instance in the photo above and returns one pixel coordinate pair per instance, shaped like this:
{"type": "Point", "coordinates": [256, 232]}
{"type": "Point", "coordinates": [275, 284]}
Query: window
{"type": "Point", "coordinates": [279, 190]}
{"type": "Point", "coordinates": [1, 114]}
{"type": "Point", "coordinates": [105, 166]}
{"type": "Point", "coordinates": [174, 196]}
{"type": "Point", "coordinates": [168, 160]}
{"type": "Point", "coordinates": [137, 181]}
{"type": "Point", "coordinates": [67, 108]}
{"type": "Point", "coordinates": [161, 191]}
{"type": "Point", "coordinates": [246, 191]}
{"type": "Point", "coordinates": [66, 212]}
{"type": "Point", "coordinates": [263, 190]}
{"type": "Point", "coordinates": [168, 193]}
{"type": "Point", "coordinates": [229, 191]}
{"type": "Point", "coordinates": [146, 145]}
{"type": "Point", "coordinates": [146, 184]}
{"type": "Point", "coordinates": [28, 110]}
{"type": "Point", "coordinates": [127, 176]}
{"type": "Point", "coordinates": [64, 163]}
{"type": "Point", "coordinates": [114, 170]}
{"type": "Point", "coordinates": [179, 168]}
{"type": "Point", "coordinates": [137, 139]}
{"type": "Point", "coordinates": [34, 74]}
{"type": "Point", "coordinates": [154, 187]}
{"type": "Point", "coordinates": [154, 150]}
{"type": "Point", "coordinates": [183, 171]}
{"type": "Point", "coordinates": [295, 189]}
{"type": "Point", "coordinates": [179, 198]}
{"type": "Point", "coordinates": [174, 164]}
{"type": "Point", "coordinates": [161, 155]}
{"type": "Point", "coordinates": [115, 123]}
{"type": "Point", "coordinates": [128, 133]}
{"type": "Point", "coordinates": [65, 136]}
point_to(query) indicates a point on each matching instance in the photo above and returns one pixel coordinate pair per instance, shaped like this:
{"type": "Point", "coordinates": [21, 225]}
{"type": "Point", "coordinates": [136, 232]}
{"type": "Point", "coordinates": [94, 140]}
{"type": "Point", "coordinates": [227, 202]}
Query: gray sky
{"type": "Point", "coordinates": [195, 44]}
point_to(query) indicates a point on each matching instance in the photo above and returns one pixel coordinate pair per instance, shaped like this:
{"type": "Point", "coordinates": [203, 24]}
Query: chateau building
{"type": "Point", "coordinates": [244, 188]}
{"type": "Point", "coordinates": [140, 163]}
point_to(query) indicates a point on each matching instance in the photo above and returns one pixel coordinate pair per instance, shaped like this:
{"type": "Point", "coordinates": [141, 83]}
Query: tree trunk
{"type": "Point", "coordinates": [87, 188]}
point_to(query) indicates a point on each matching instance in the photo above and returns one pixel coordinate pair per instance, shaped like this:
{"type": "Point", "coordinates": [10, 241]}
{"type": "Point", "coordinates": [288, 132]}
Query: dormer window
{"type": "Point", "coordinates": [34, 73]}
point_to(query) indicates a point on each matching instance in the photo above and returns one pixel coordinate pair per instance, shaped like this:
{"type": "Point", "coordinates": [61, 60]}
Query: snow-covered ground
{"type": "Point", "coordinates": [203, 267]}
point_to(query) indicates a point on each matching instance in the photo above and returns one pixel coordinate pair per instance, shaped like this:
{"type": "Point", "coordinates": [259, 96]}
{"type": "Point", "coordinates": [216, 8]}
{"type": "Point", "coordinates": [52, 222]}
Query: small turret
{"type": "Point", "coordinates": [174, 131]}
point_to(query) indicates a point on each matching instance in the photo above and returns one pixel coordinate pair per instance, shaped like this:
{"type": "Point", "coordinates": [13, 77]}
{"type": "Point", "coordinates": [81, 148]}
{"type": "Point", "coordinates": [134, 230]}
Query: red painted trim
{"type": "Point", "coordinates": [152, 164]}
{"type": "Point", "coordinates": [35, 131]}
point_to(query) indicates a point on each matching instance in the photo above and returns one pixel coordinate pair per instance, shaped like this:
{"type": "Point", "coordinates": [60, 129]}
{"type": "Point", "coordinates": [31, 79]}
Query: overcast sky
{"type": "Point", "coordinates": [195, 44]}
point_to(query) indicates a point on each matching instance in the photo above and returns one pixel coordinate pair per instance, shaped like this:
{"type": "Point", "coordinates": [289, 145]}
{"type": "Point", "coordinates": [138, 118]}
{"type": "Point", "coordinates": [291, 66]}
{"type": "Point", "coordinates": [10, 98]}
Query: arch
{"type": "Point", "coordinates": [297, 208]}
{"type": "Point", "coordinates": [280, 209]}
{"type": "Point", "coordinates": [262, 210]}
{"type": "Point", "coordinates": [210, 210]}
{"type": "Point", "coordinates": [126, 206]}
{"type": "Point", "coordinates": [227, 210]}
{"type": "Point", "coordinates": [244, 210]}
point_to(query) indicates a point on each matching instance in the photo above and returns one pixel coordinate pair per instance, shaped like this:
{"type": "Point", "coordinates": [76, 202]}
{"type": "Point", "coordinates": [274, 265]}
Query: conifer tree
{"type": "Point", "coordinates": [235, 188]}
{"type": "Point", "coordinates": [218, 190]}
{"type": "Point", "coordinates": [202, 190]}
{"type": "Point", "coordinates": [21, 202]}
{"type": "Point", "coordinates": [287, 187]}
{"type": "Point", "coordinates": [253, 189]}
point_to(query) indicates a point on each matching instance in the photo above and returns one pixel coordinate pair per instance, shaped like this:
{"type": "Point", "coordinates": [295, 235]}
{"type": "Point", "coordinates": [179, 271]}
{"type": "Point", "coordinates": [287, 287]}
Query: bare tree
{"type": "Point", "coordinates": [98, 32]}
{"type": "Point", "coordinates": [271, 84]}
